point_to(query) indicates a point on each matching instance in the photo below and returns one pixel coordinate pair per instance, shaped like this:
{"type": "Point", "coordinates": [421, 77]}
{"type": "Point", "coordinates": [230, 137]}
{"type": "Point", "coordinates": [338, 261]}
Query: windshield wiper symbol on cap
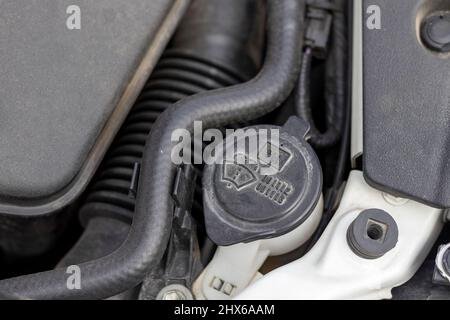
{"type": "Point", "coordinates": [238, 175]}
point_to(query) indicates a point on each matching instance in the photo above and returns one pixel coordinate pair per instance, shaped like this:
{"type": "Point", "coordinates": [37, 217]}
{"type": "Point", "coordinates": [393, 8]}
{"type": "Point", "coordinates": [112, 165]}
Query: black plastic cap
{"type": "Point", "coordinates": [446, 261]}
{"type": "Point", "coordinates": [436, 31]}
{"type": "Point", "coordinates": [242, 204]}
{"type": "Point", "coordinates": [441, 273]}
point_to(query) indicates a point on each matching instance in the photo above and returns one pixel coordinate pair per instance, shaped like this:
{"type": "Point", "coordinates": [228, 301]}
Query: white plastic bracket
{"type": "Point", "coordinates": [233, 268]}
{"type": "Point", "coordinates": [331, 270]}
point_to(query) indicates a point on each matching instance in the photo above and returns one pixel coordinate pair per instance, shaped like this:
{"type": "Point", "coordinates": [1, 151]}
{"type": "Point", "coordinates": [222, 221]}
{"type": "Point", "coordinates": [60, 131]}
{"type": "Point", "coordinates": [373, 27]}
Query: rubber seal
{"type": "Point", "coordinates": [372, 234]}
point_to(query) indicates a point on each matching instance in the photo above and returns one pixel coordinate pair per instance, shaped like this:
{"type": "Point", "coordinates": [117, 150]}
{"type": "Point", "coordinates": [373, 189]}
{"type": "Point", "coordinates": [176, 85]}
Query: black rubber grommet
{"type": "Point", "coordinates": [435, 31]}
{"type": "Point", "coordinates": [372, 234]}
{"type": "Point", "coordinates": [446, 261]}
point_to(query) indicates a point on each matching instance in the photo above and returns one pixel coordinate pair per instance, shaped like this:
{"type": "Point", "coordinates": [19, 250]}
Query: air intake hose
{"type": "Point", "coordinates": [150, 230]}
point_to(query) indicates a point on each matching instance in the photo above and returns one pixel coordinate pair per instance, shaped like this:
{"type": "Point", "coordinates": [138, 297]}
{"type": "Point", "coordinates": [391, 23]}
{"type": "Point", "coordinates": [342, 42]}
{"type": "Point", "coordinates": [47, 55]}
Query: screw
{"type": "Point", "coordinates": [173, 295]}
{"type": "Point", "coordinates": [175, 292]}
{"type": "Point", "coordinates": [442, 261]}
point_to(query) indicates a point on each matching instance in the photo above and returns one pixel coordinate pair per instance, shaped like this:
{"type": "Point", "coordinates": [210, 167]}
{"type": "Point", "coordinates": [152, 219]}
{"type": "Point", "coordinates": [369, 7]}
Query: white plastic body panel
{"type": "Point", "coordinates": [332, 271]}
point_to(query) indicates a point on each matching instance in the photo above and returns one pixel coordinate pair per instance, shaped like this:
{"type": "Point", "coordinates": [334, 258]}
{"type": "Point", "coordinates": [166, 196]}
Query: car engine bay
{"type": "Point", "coordinates": [225, 149]}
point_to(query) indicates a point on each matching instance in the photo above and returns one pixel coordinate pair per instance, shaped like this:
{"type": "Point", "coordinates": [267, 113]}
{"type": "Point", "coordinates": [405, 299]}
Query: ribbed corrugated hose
{"type": "Point", "coordinates": [150, 230]}
{"type": "Point", "coordinates": [194, 62]}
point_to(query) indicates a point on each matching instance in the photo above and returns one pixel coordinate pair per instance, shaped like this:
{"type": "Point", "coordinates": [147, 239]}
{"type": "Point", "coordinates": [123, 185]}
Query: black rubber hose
{"type": "Point", "coordinates": [334, 85]}
{"type": "Point", "coordinates": [176, 76]}
{"type": "Point", "coordinates": [108, 198]}
{"type": "Point", "coordinates": [303, 108]}
{"type": "Point", "coordinates": [187, 67]}
{"type": "Point", "coordinates": [150, 230]}
{"type": "Point", "coordinates": [339, 58]}
{"type": "Point", "coordinates": [302, 93]}
{"type": "Point", "coordinates": [221, 29]}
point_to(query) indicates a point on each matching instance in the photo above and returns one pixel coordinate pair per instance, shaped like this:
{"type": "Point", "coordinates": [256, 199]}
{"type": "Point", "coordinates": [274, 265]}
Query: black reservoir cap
{"type": "Point", "coordinates": [246, 202]}
{"type": "Point", "coordinates": [436, 31]}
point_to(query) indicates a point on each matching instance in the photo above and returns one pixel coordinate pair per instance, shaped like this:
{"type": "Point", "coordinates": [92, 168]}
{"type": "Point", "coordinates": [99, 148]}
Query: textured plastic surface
{"type": "Point", "coordinates": [60, 86]}
{"type": "Point", "coordinates": [331, 270]}
{"type": "Point", "coordinates": [242, 203]}
{"type": "Point", "coordinates": [406, 104]}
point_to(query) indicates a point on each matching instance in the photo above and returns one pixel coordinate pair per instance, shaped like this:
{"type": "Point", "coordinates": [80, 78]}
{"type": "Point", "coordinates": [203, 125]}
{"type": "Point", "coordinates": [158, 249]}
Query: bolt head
{"type": "Point", "coordinates": [175, 292]}
{"type": "Point", "coordinates": [173, 295]}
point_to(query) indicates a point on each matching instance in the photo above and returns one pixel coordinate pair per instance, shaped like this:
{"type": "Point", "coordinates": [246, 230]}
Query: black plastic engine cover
{"type": "Point", "coordinates": [65, 90]}
{"type": "Point", "coordinates": [60, 86]}
{"type": "Point", "coordinates": [406, 99]}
